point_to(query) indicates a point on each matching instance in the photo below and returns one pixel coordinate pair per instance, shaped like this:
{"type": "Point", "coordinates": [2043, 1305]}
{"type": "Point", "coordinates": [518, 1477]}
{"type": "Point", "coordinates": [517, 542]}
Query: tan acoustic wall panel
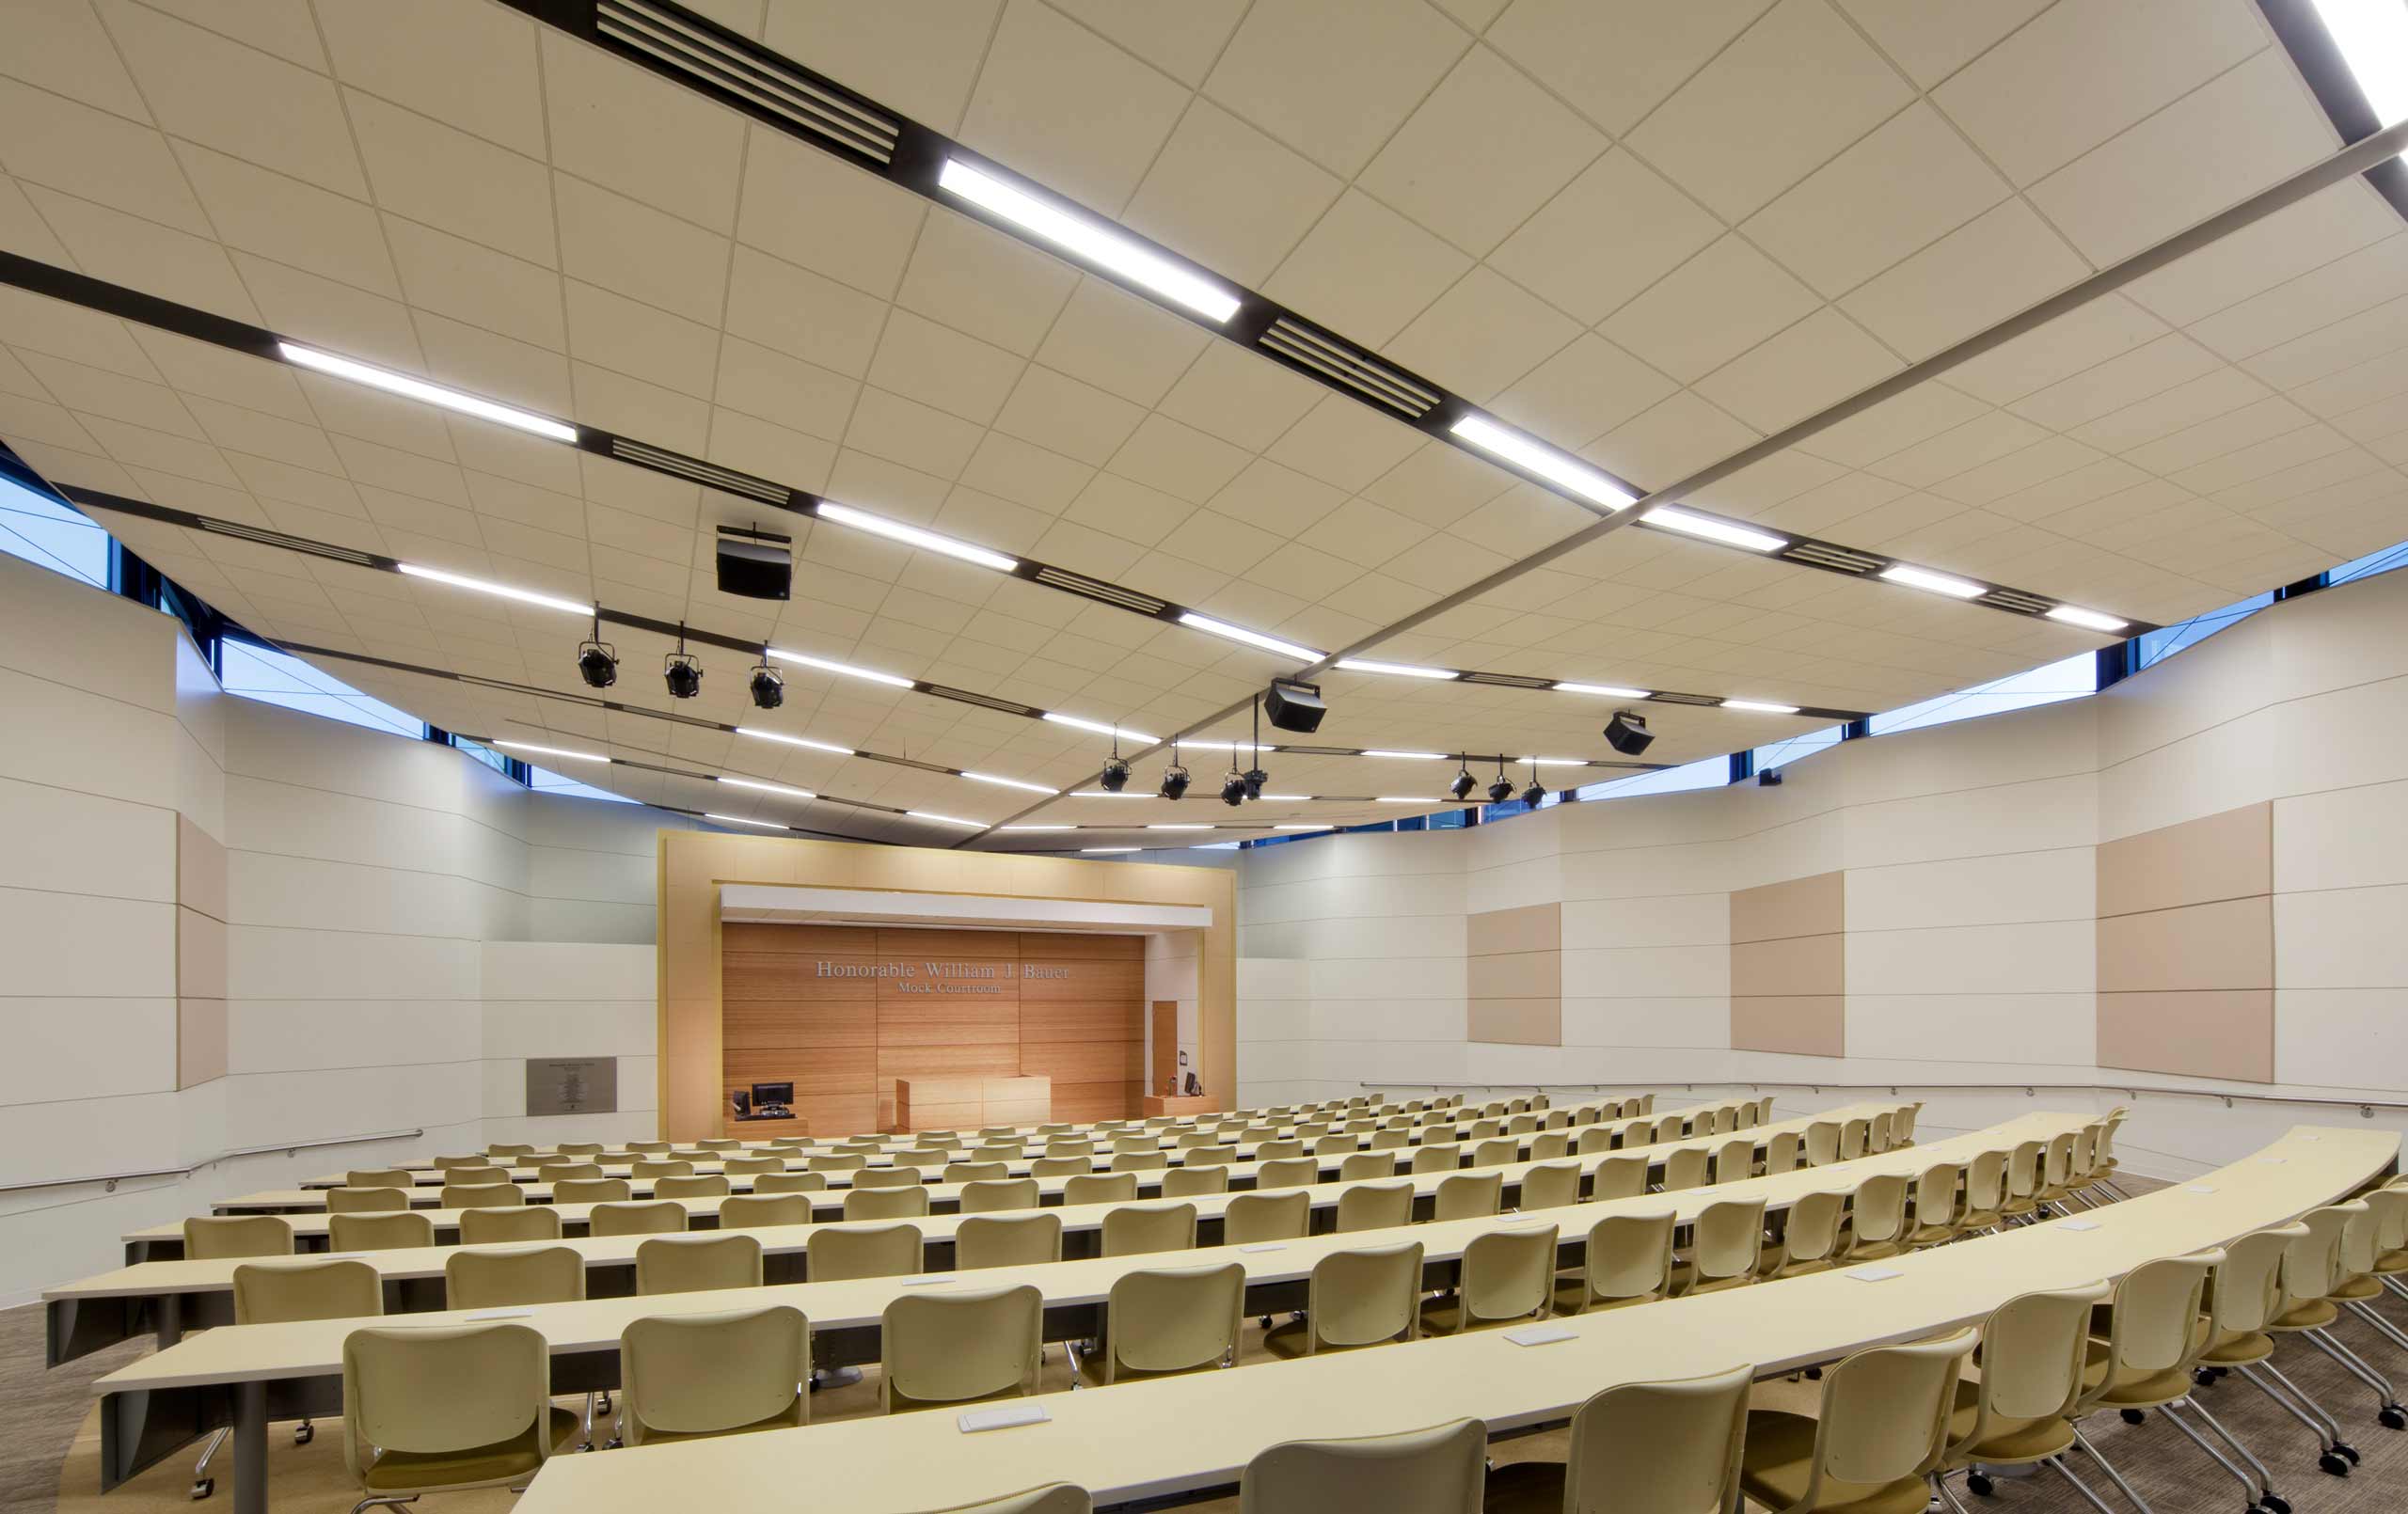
{"type": "Point", "coordinates": [1513, 975]}
{"type": "Point", "coordinates": [1789, 967]}
{"type": "Point", "coordinates": [2186, 948]}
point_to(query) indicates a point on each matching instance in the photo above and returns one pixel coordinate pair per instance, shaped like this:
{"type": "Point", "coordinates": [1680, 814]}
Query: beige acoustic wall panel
{"type": "Point", "coordinates": [2186, 948]}
{"type": "Point", "coordinates": [1513, 975]}
{"type": "Point", "coordinates": [1789, 967]}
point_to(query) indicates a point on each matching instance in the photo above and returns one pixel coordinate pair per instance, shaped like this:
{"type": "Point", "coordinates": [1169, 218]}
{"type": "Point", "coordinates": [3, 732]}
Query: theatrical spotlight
{"type": "Point", "coordinates": [1176, 777]}
{"type": "Point", "coordinates": [680, 671]}
{"type": "Point", "coordinates": [1233, 781]}
{"type": "Point", "coordinates": [1502, 789]}
{"type": "Point", "coordinates": [1116, 774]}
{"type": "Point", "coordinates": [769, 684]}
{"type": "Point", "coordinates": [1254, 779]}
{"type": "Point", "coordinates": [1769, 779]}
{"type": "Point", "coordinates": [1537, 790]}
{"type": "Point", "coordinates": [1627, 733]}
{"type": "Point", "coordinates": [1463, 786]}
{"type": "Point", "coordinates": [597, 661]}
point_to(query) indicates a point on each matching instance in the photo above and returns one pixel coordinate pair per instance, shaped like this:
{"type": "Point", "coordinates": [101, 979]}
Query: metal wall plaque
{"type": "Point", "coordinates": [571, 1085]}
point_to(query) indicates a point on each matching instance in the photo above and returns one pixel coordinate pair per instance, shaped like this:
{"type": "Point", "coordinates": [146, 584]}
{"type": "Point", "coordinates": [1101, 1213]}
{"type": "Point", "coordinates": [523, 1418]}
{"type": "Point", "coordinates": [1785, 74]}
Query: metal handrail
{"type": "Point", "coordinates": [110, 1180]}
{"type": "Point", "coordinates": [2366, 1107]}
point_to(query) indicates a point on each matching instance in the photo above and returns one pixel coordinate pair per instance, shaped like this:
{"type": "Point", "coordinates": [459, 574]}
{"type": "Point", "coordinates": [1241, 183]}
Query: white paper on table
{"type": "Point", "coordinates": [1875, 1274]}
{"type": "Point", "coordinates": [2198, 1188]}
{"type": "Point", "coordinates": [502, 1314]}
{"type": "Point", "coordinates": [998, 1419]}
{"type": "Point", "coordinates": [1265, 1245]}
{"type": "Point", "coordinates": [924, 1282]}
{"type": "Point", "coordinates": [1539, 1335]}
{"type": "Point", "coordinates": [2077, 1224]}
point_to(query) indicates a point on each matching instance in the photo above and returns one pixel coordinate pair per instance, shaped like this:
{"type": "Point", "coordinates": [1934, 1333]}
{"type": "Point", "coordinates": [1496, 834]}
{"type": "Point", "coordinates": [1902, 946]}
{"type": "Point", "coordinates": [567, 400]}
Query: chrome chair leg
{"type": "Point", "coordinates": [2359, 1367]}
{"type": "Point", "coordinates": [2380, 1326]}
{"type": "Point", "coordinates": [2249, 1485]}
{"type": "Point", "coordinates": [390, 1502]}
{"type": "Point", "coordinates": [2113, 1476]}
{"type": "Point", "coordinates": [2061, 1470]}
{"type": "Point", "coordinates": [2265, 1478]}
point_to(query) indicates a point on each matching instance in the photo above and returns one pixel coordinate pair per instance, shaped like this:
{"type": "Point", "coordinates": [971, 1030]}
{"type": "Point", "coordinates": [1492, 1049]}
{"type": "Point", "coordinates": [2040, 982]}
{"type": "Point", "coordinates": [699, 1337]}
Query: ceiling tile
{"type": "Point", "coordinates": [798, 311]}
{"type": "Point", "coordinates": [1179, 36]}
{"type": "Point", "coordinates": [1060, 413]}
{"type": "Point", "coordinates": [72, 146]}
{"type": "Point", "coordinates": [980, 281]}
{"type": "Point", "coordinates": [629, 129]}
{"type": "Point", "coordinates": [1611, 232]}
{"type": "Point", "coordinates": [1068, 109]}
{"type": "Point", "coordinates": [1979, 275]}
{"type": "Point", "coordinates": [615, 242]}
{"type": "Point", "coordinates": [450, 180]}
{"type": "Point", "coordinates": [174, 266]}
{"type": "Point", "coordinates": [1710, 310]}
{"type": "Point", "coordinates": [1933, 39]}
{"type": "Point", "coordinates": [920, 59]}
{"type": "Point", "coordinates": [1482, 334]}
{"type": "Point", "coordinates": [1232, 394]}
{"type": "Point", "coordinates": [1129, 511]}
{"type": "Point", "coordinates": [1906, 183]}
{"type": "Point", "coordinates": [500, 367]}
{"type": "Point", "coordinates": [809, 398]}
{"type": "Point", "coordinates": [638, 340]}
{"type": "Point", "coordinates": [1483, 151]}
{"type": "Point", "coordinates": [2090, 333]}
{"type": "Point", "coordinates": [466, 62]}
{"type": "Point", "coordinates": [1122, 344]}
{"type": "Point", "coordinates": [1817, 362]}
{"type": "Point", "coordinates": [1227, 196]}
{"type": "Point", "coordinates": [939, 366]}
{"type": "Point", "coordinates": [229, 97]}
{"type": "Point", "coordinates": [1275, 498]}
{"type": "Point", "coordinates": [62, 47]}
{"type": "Point", "coordinates": [21, 231]}
{"type": "Point", "coordinates": [1669, 441]}
{"type": "Point", "coordinates": [1177, 458]}
{"type": "Point", "coordinates": [1615, 60]}
{"type": "Point", "coordinates": [2292, 242]}
{"type": "Point", "coordinates": [1334, 78]}
{"type": "Point", "coordinates": [810, 209]}
{"type": "Point", "coordinates": [442, 271]}
{"type": "Point", "coordinates": [1588, 388]}
{"type": "Point", "coordinates": [1365, 271]}
{"type": "Point", "coordinates": [283, 27]}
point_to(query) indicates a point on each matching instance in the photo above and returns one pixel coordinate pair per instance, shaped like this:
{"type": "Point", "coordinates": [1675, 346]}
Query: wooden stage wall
{"type": "Point", "coordinates": [1065, 1007]}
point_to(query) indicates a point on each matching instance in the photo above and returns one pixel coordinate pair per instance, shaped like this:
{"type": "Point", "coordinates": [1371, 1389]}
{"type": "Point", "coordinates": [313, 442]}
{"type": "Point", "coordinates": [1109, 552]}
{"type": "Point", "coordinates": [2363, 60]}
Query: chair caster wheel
{"type": "Point", "coordinates": [1813, 1374]}
{"type": "Point", "coordinates": [304, 1434]}
{"type": "Point", "coordinates": [2331, 1465]}
{"type": "Point", "coordinates": [1979, 1486]}
{"type": "Point", "coordinates": [2203, 1377]}
{"type": "Point", "coordinates": [2275, 1503]}
{"type": "Point", "coordinates": [614, 1442]}
{"type": "Point", "coordinates": [2132, 1416]}
{"type": "Point", "coordinates": [2393, 1417]}
{"type": "Point", "coordinates": [602, 1405]}
{"type": "Point", "coordinates": [203, 1488]}
{"type": "Point", "coordinates": [2348, 1450]}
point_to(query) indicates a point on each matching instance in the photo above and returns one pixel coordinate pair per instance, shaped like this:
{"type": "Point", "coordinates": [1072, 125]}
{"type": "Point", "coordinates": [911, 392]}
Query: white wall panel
{"type": "Point", "coordinates": [1664, 920]}
{"type": "Point", "coordinates": [1700, 1023]}
{"type": "Point", "coordinates": [1997, 889]}
{"type": "Point", "coordinates": [300, 1034]}
{"type": "Point", "coordinates": [2341, 1038]}
{"type": "Point", "coordinates": [73, 945]}
{"type": "Point", "coordinates": [67, 840]}
{"type": "Point", "coordinates": [2342, 838]}
{"type": "Point", "coordinates": [2047, 957]}
{"type": "Point", "coordinates": [86, 1048]}
{"type": "Point", "coordinates": [1648, 971]}
{"type": "Point", "coordinates": [2052, 1029]}
{"type": "Point", "coordinates": [2342, 938]}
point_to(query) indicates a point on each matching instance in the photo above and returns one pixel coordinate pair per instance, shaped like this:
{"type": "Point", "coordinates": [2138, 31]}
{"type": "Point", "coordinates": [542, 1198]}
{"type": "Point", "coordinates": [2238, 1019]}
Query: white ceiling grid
{"type": "Point", "coordinates": [1649, 234]}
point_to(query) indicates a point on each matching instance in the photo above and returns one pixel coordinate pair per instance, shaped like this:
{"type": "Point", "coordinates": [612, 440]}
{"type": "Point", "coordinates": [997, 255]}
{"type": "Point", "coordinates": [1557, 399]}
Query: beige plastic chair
{"type": "Point", "coordinates": [445, 1164]}
{"type": "Point", "coordinates": [1729, 1247]}
{"type": "Point", "coordinates": [2023, 1182]}
{"type": "Point", "coordinates": [684, 1377]}
{"type": "Point", "coordinates": [1443, 1158]}
{"type": "Point", "coordinates": [972, 1172]}
{"type": "Point", "coordinates": [505, 1148]}
{"type": "Point", "coordinates": [1629, 1260]}
{"type": "Point", "coordinates": [1735, 1160]}
{"type": "Point", "coordinates": [1549, 1186]}
{"type": "Point", "coordinates": [1783, 1152]}
{"type": "Point", "coordinates": [1354, 1298]}
{"type": "Point", "coordinates": [1497, 1152]}
{"type": "Point", "coordinates": [1811, 1237]}
{"type": "Point", "coordinates": [504, 1279]}
{"type": "Point", "coordinates": [1293, 1172]}
{"type": "Point", "coordinates": [837, 1161]}
{"type": "Point", "coordinates": [1253, 1217]}
{"type": "Point", "coordinates": [1433, 1471]}
{"type": "Point", "coordinates": [1365, 1166]}
{"type": "Point", "coordinates": [901, 1175]}
{"type": "Point", "coordinates": [1208, 1155]}
{"type": "Point", "coordinates": [1374, 1206]}
{"type": "Point", "coordinates": [486, 1227]}
{"type": "Point", "coordinates": [1621, 1176]}
{"type": "Point", "coordinates": [887, 1202]}
{"type": "Point", "coordinates": [660, 1167]}
{"type": "Point", "coordinates": [1939, 1206]}
{"type": "Point", "coordinates": [2154, 1338]}
{"type": "Point", "coordinates": [1024, 1240]}
{"type": "Point", "coordinates": [1642, 1448]}
{"type": "Point", "coordinates": [1877, 1221]}
{"type": "Point", "coordinates": [279, 1292]}
{"type": "Point", "coordinates": [759, 1211]}
{"type": "Point", "coordinates": [1667, 1127]}
{"type": "Point", "coordinates": [702, 1186]}
{"type": "Point", "coordinates": [1060, 1166]}
{"type": "Point", "coordinates": [1336, 1146]}
{"type": "Point", "coordinates": [1135, 1229]}
{"type": "Point", "coordinates": [651, 1147]}
{"type": "Point", "coordinates": [1276, 1150]}
{"type": "Point", "coordinates": [693, 1264]}
{"type": "Point", "coordinates": [1549, 1144]}
{"type": "Point", "coordinates": [1984, 1193]}
{"type": "Point", "coordinates": [1876, 1134]}
{"type": "Point", "coordinates": [960, 1348]}
{"type": "Point", "coordinates": [1100, 1187]}
{"type": "Point", "coordinates": [492, 1424]}
{"type": "Point", "coordinates": [1140, 1161]}
{"type": "Point", "coordinates": [834, 1255]}
{"type": "Point", "coordinates": [2247, 1296]}
{"type": "Point", "coordinates": [1855, 1136]}
{"type": "Point", "coordinates": [1467, 1195]}
{"type": "Point", "coordinates": [482, 1196]}
{"type": "Point", "coordinates": [657, 1216]}
{"type": "Point", "coordinates": [790, 1183]}
{"type": "Point", "coordinates": [994, 1195]}
{"type": "Point", "coordinates": [1822, 1143]}
{"type": "Point", "coordinates": [1508, 1277]}
{"type": "Point", "coordinates": [592, 1191]}
{"type": "Point", "coordinates": [1187, 1182]}
{"type": "Point", "coordinates": [2020, 1411]}
{"type": "Point", "coordinates": [1137, 1145]}
{"type": "Point", "coordinates": [398, 1230]}
{"type": "Point", "coordinates": [749, 1166]}
{"type": "Point", "coordinates": [366, 1200]}
{"type": "Point", "coordinates": [401, 1178]}
{"type": "Point", "coordinates": [1872, 1448]}
{"type": "Point", "coordinates": [1684, 1168]}
{"type": "Point", "coordinates": [1160, 1322]}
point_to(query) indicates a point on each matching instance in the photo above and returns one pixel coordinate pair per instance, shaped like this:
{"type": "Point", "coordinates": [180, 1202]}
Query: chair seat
{"type": "Point", "coordinates": [1572, 1298]}
{"type": "Point", "coordinates": [774, 1422]}
{"type": "Point", "coordinates": [1524, 1487]}
{"type": "Point", "coordinates": [1686, 1284]}
{"type": "Point", "coordinates": [1876, 1251]}
{"type": "Point", "coordinates": [2308, 1313]}
{"type": "Point", "coordinates": [2035, 1442]}
{"type": "Point", "coordinates": [2391, 1263]}
{"type": "Point", "coordinates": [1778, 1463]}
{"type": "Point", "coordinates": [503, 1461]}
{"type": "Point", "coordinates": [1804, 1267]}
{"type": "Point", "coordinates": [1287, 1340]}
{"type": "Point", "coordinates": [2358, 1290]}
{"type": "Point", "coordinates": [2130, 1390]}
{"type": "Point", "coordinates": [1923, 1236]}
{"type": "Point", "coordinates": [2238, 1351]}
{"type": "Point", "coordinates": [1981, 1220]}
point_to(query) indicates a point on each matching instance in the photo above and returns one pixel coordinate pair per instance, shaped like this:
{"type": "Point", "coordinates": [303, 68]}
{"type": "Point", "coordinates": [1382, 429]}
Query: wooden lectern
{"type": "Point", "coordinates": [1155, 1105]}
{"type": "Point", "coordinates": [967, 1103]}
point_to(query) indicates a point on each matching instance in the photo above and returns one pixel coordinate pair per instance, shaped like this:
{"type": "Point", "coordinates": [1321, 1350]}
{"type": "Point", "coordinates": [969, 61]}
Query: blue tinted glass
{"type": "Point", "coordinates": [1790, 749]}
{"type": "Point", "coordinates": [58, 537]}
{"type": "Point", "coordinates": [1705, 773]}
{"type": "Point", "coordinates": [274, 677]}
{"type": "Point", "coordinates": [2071, 679]}
{"type": "Point", "coordinates": [2156, 646]}
{"type": "Point", "coordinates": [484, 755]}
{"type": "Point", "coordinates": [2372, 563]}
{"type": "Point", "coordinates": [544, 781]}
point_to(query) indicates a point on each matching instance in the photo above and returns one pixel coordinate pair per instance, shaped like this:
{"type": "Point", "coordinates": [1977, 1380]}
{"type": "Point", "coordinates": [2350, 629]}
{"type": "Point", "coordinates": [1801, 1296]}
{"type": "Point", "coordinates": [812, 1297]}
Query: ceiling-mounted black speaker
{"type": "Point", "coordinates": [756, 564]}
{"type": "Point", "coordinates": [1627, 733]}
{"type": "Point", "coordinates": [1295, 707]}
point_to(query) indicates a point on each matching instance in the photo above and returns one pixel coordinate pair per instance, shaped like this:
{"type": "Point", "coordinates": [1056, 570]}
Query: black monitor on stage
{"type": "Point", "coordinates": [780, 1095]}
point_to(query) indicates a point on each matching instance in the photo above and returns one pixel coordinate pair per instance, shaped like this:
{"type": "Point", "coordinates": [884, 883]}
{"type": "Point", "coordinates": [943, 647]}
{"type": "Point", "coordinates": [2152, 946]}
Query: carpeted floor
{"type": "Point", "coordinates": [50, 1443]}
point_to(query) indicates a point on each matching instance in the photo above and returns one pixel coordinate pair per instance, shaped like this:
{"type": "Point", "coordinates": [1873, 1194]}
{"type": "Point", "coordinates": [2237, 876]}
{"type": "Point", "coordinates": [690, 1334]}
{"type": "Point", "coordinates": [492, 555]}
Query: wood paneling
{"type": "Point", "coordinates": [1164, 1072]}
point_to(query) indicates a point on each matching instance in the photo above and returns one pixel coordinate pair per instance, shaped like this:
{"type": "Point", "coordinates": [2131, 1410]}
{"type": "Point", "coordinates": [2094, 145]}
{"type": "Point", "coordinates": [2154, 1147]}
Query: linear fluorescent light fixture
{"type": "Point", "coordinates": [410, 389]}
{"type": "Point", "coordinates": [2091, 620]}
{"type": "Point", "coordinates": [1422, 756]}
{"type": "Point", "coordinates": [1252, 638]}
{"type": "Point", "coordinates": [1300, 828]}
{"type": "Point", "coordinates": [1534, 456]}
{"type": "Point", "coordinates": [2372, 36]}
{"type": "Point", "coordinates": [1008, 783]}
{"type": "Point", "coordinates": [1730, 534]}
{"type": "Point", "coordinates": [1186, 826]}
{"type": "Point", "coordinates": [1099, 850]}
{"type": "Point", "coordinates": [946, 819]}
{"type": "Point", "coordinates": [895, 530]}
{"type": "Point", "coordinates": [1406, 799]}
{"type": "Point", "coordinates": [758, 733]}
{"type": "Point", "coordinates": [1930, 582]}
{"type": "Point", "coordinates": [846, 670]}
{"type": "Point", "coordinates": [739, 820]}
{"type": "Point", "coordinates": [1607, 690]}
{"type": "Point", "coordinates": [1759, 708]}
{"type": "Point", "coordinates": [1554, 762]}
{"type": "Point", "coordinates": [1088, 240]}
{"type": "Point", "coordinates": [787, 790]}
{"type": "Point", "coordinates": [525, 596]}
{"type": "Point", "coordinates": [1394, 670]}
{"type": "Point", "coordinates": [1082, 723]}
{"type": "Point", "coordinates": [1036, 827]}
{"type": "Point", "coordinates": [1285, 798]}
{"type": "Point", "coordinates": [553, 752]}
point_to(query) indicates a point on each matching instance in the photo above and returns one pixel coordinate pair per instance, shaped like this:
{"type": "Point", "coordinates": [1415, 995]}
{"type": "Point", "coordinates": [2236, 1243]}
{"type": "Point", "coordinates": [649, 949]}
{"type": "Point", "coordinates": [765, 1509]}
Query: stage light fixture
{"type": "Point", "coordinates": [1233, 781]}
{"type": "Point", "coordinates": [1502, 789]}
{"type": "Point", "coordinates": [681, 671]}
{"type": "Point", "coordinates": [1254, 779]}
{"type": "Point", "coordinates": [1627, 733]}
{"type": "Point", "coordinates": [768, 685]}
{"type": "Point", "coordinates": [1115, 776]}
{"type": "Point", "coordinates": [1537, 790]}
{"type": "Point", "coordinates": [597, 661]}
{"type": "Point", "coordinates": [1463, 786]}
{"type": "Point", "coordinates": [1176, 777]}
{"type": "Point", "coordinates": [1769, 779]}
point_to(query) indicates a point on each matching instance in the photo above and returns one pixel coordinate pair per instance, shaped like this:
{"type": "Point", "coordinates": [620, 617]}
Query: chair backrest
{"type": "Point", "coordinates": [2312, 1264]}
{"type": "Point", "coordinates": [1877, 1214]}
{"type": "Point", "coordinates": [553, 1172]}
{"type": "Point", "coordinates": [1374, 1206]}
{"type": "Point", "coordinates": [2057, 1161]}
{"type": "Point", "coordinates": [271, 1293]}
{"type": "Point", "coordinates": [692, 1264]}
{"type": "Point", "coordinates": [1444, 1156]}
{"type": "Point", "coordinates": [747, 1166]}
{"type": "Point", "coordinates": [1101, 1188]}
{"type": "Point", "coordinates": [1070, 1148]}
{"type": "Point", "coordinates": [971, 1171]}
{"type": "Point", "coordinates": [660, 1167]}
{"type": "Point", "coordinates": [837, 1161]}
{"type": "Point", "coordinates": [533, 1222]}
{"type": "Point", "coordinates": [1985, 1182]}
{"type": "Point", "coordinates": [1360, 1297]}
{"type": "Point", "coordinates": [2390, 1205]}
{"type": "Point", "coordinates": [399, 1230]}
{"type": "Point", "coordinates": [1548, 1145]}
{"type": "Point", "coordinates": [1623, 1176]}
{"type": "Point", "coordinates": [2023, 1169]}
{"type": "Point", "coordinates": [994, 1195]}
{"type": "Point", "coordinates": [1497, 1152]}
{"type": "Point", "coordinates": [790, 1183]}
{"type": "Point", "coordinates": [1549, 1185]}
{"type": "Point", "coordinates": [701, 1186]}
{"type": "Point", "coordinates": [756, 1211]}
{"type": "Point", "coordinates": [1133, 1229]}
{"type": "Point", "coordinates": [1735, 1159]}
{"type": "Point", "coordinates": [1508, 1275]}
{"type": "Point", "coordinates": [1140, 1161]}
{"type": "Point", "coordinates": [1259, 1217]}
{"type": "Point", "coordinates": [1667, 1127]}
{"type": "Point", "coordinates": [1877, 1133]}
{"type": "Point", "coordinates": [1060, 1166]}
{"type": "Point", "coordinates": [1290, 1172]}
{"type": "Point", "coordinates": [657, 1217]}
{"type": "Point", "coordinates": [1136, 1143]}
{"type": "Point", "coordinates": [900, 1175]}
{"type": "Point", "coordinates": [450, 1389]}
{"type": "Point", "coordinates": [365, 1200]}
{"type": "Point", "coordinates": [1660, 1447]}
{"type": "Point", "coordinates": [1784, 1150]}
{"type": "Point", "coordinates": [1730, 1239]}
{"type": "Point", "coordinates": [1173, 1319]}
{"type": "Point", "coordinates": [445, 1164]}
{"type": "Point", "coordinates": [957, 1347]}
{"type": "Point", "coordinates": [834, 1255]}
{"type": "Point", "coordinates": [1630, 1259]}
{"type": "Point", "coordinates": [1016, 1239]}
{"type": "Point", "coordinates": [1483, 1130]}
{"type": "Point", "coordinates": [1822, 1143]}
{"type": "Point", "coordinates": [2248, 1281]}
{"type": "Point", "coordinates": [710, 1374]}
{"type": "Point", "coordinates": [1274, 1150]}
{"type": "Point", "coordinates": [504, 1279]}
{"type": "Point", "coordinates": [1391, 1139]}
{"type": "Point", "coordinates": [1436, 1471]}
{"type": "Point", "coordinates": [1208, 1155]}
{"type": "Point", "coordinates": [2153, 1328]}
{"type": "Point", "coordinates": [1336, 1144]}
{"type": "Point", "coordinates": [401, 1178]}
{"type": "Point", "coordinates": [1883, 1413]}
{"type": "Point", "coordinates": [1187, 1182]}
{"type": "Point", "coordinates": [480, 1197]}
{"type": "Point", "coordinates": [507, 1148]}
{"type": "Point", "coordinates": [887, 1202]}
{"type": "Point", "coordinates": [2033, 1352]}
{"type": "Point", "coordinates": [1364, 1166]}
{"type": "Point", "coordinates": [1937, 1200]}
{"type": "Point", "coordinates": [1467, 1195]}
{"type": "Point", "coordinates": [595, 1191]}
{"type": "Point", "coordinates": [1810, 1232]}
{"type": "Point", "coordinates": [1854, 1136]}
{"type": "Point", "coordinates": [1685, 1167]}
